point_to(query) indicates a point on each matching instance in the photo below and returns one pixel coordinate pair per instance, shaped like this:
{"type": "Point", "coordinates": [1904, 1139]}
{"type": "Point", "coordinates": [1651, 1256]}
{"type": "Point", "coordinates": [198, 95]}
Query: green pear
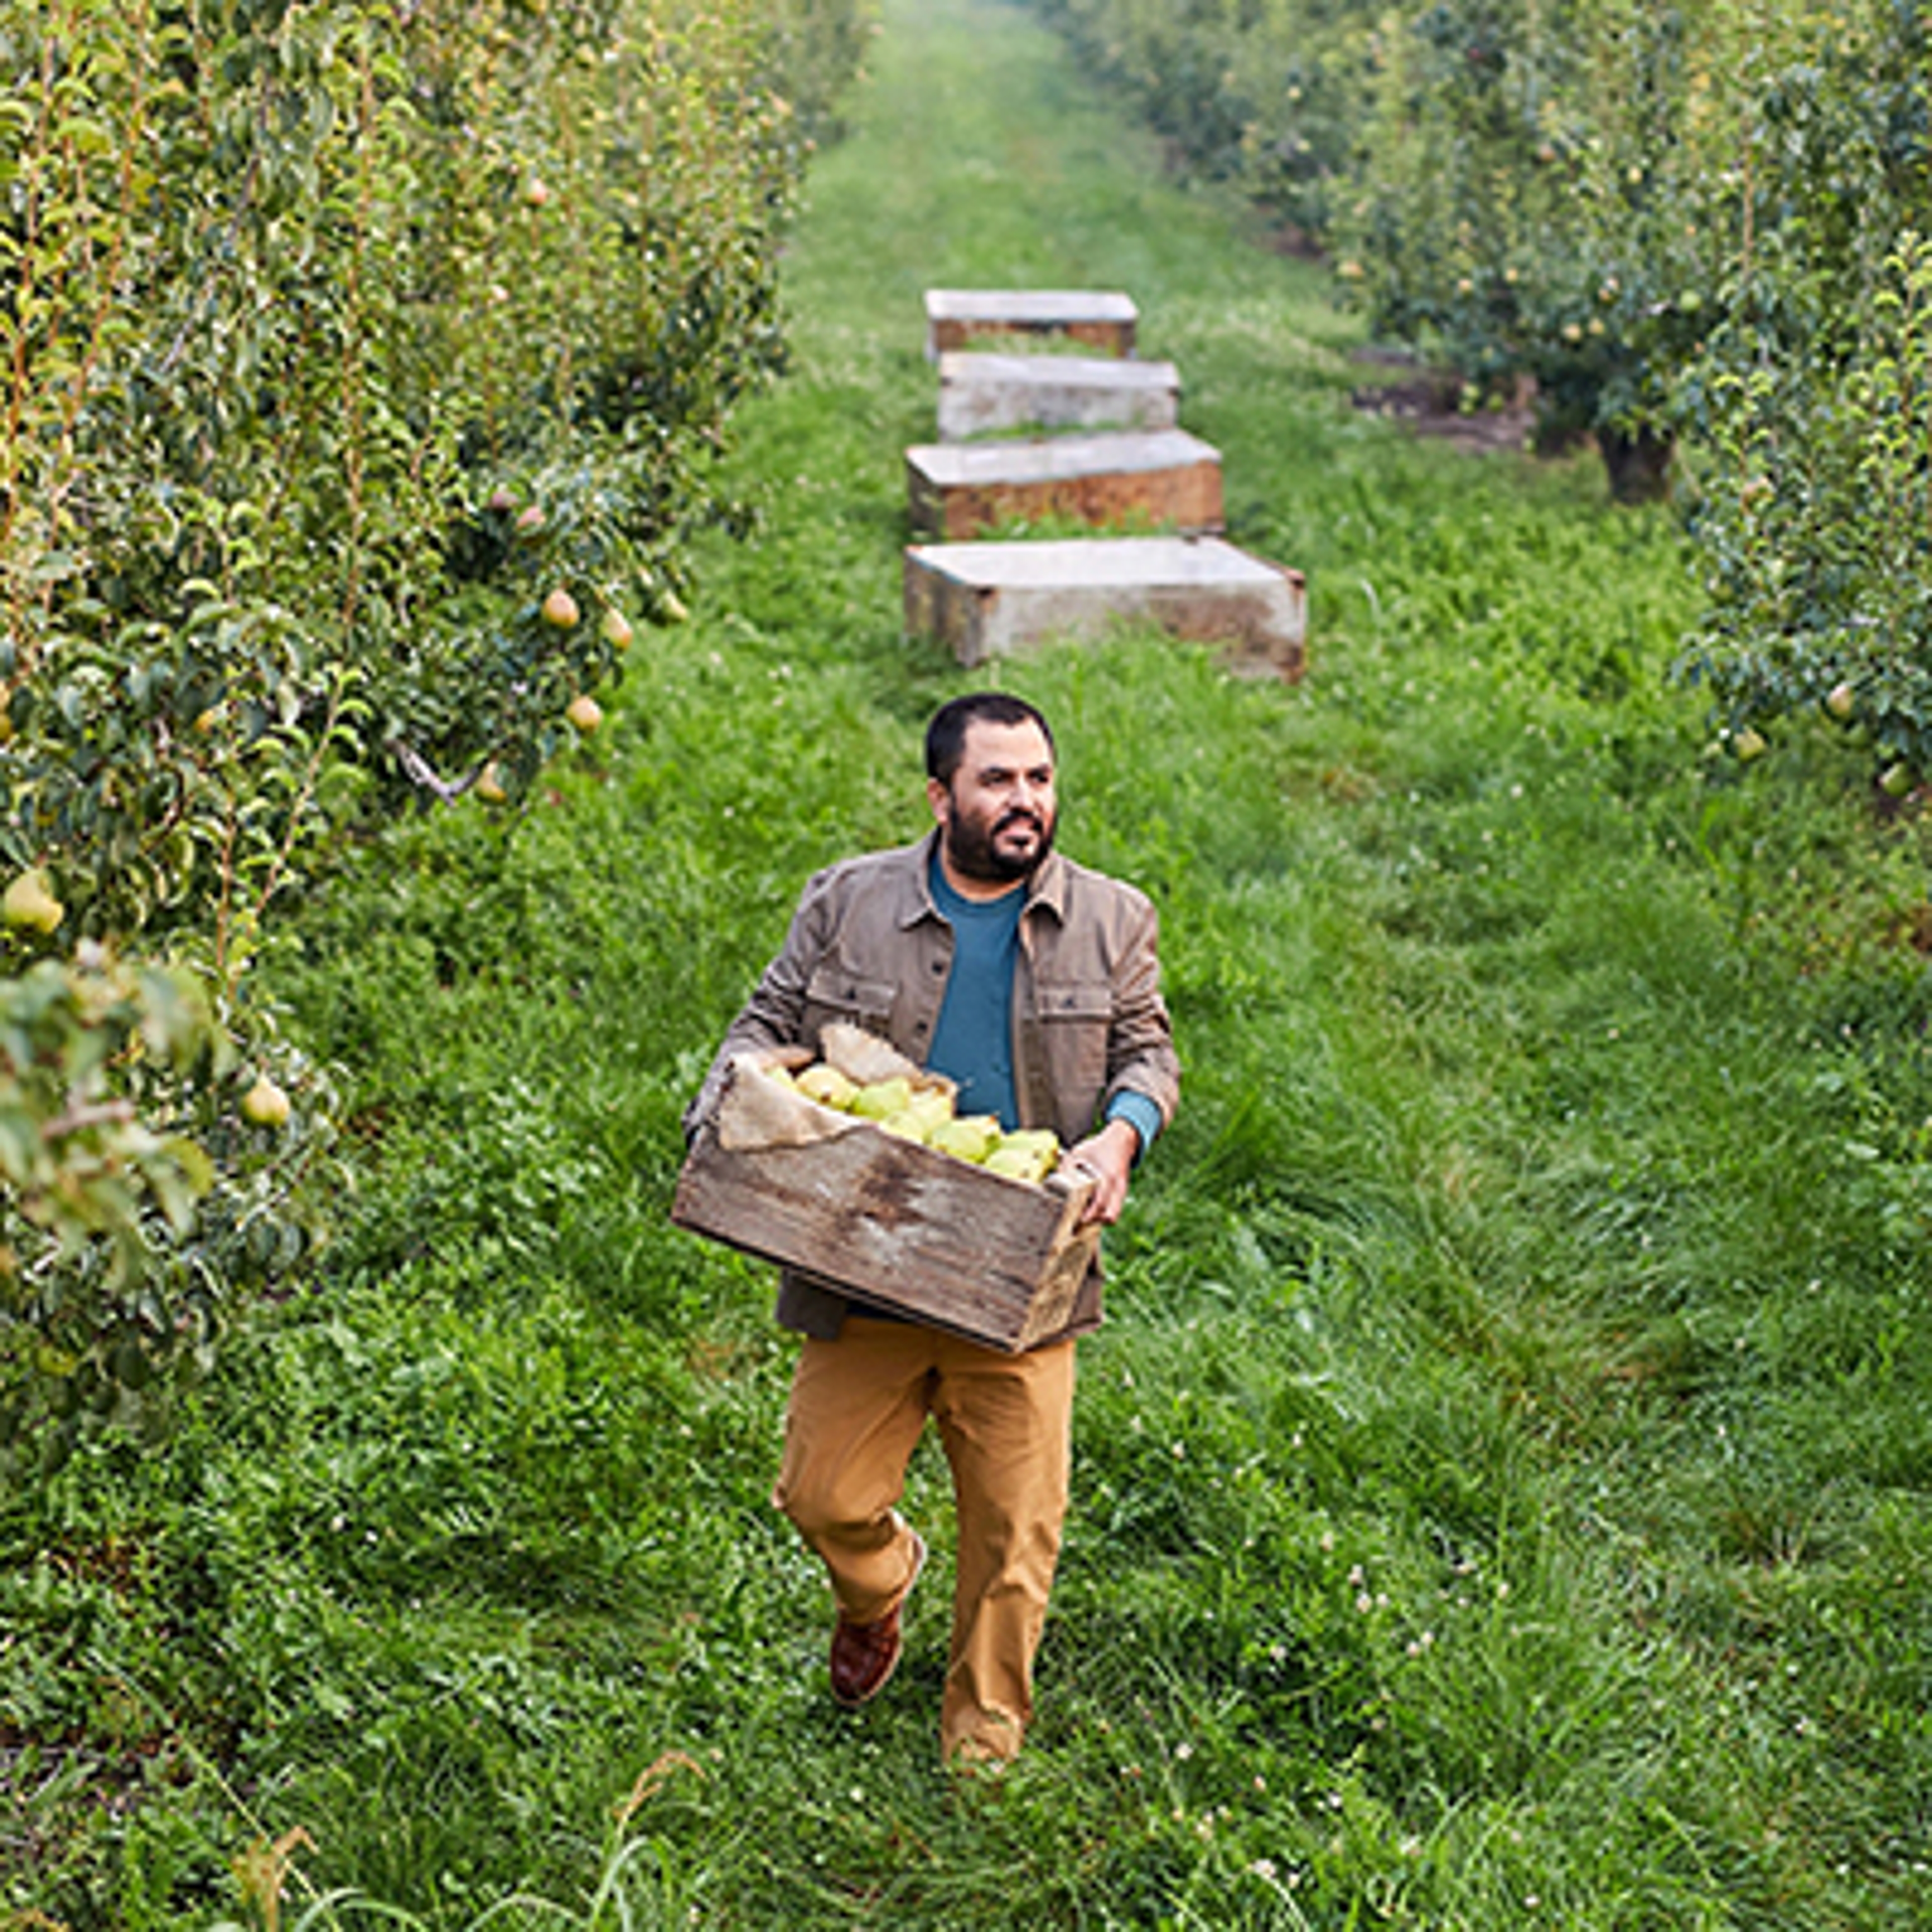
{"type": "Point", "coordinates": [931, 1104]}
{"type": "Point", "coordinates": [1016, 1163]}
{"type": "Point", "coordinates": [265, 1104]}
{"type": "Point", "coordinates": [1037, 1140]}
{"type": "Point", "coordinates": [882, 1098]}
{"type": "Point", "coordinates": [29, 902]}
{"type": "Point", "coordinates": [904, 1125]}
{"type": "Point", "coordinates": [826, 1084]}
{"type": "Point", "coordinates": [966, 1137]}
{"type": "Point", "coordinates": [781, 1074]}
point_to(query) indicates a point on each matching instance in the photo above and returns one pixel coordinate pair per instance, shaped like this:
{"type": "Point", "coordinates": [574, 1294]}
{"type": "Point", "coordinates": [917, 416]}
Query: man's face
{"type": "Point", "coordinates": [997, 814]}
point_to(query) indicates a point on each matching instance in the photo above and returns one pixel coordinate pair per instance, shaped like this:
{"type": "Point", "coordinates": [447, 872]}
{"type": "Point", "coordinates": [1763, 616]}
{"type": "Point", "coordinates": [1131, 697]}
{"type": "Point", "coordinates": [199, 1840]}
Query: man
{"type": "Point", "coordinates": [1033, 982]}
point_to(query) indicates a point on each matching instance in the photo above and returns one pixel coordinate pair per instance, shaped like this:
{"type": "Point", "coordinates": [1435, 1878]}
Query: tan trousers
{"type": "Point", "coordinates": [858, 1406]}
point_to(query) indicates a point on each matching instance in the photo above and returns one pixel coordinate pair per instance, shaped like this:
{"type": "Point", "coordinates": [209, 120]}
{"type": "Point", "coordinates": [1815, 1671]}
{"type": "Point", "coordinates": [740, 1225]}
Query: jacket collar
{"type": "Point", "coordinates": [1046, 890]}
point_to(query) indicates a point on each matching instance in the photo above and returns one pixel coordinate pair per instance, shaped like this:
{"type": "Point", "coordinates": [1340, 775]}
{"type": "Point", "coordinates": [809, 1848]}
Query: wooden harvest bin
{"type": "Point", "coordinates": [1102, 319]}
{"type": "Point", "coordinates": [957, 489]}
{"type": "Point", "coordinates": [934, 1238]}
{"type": "Point", "coordinates": [984, 600]}
{"type": "Point", "coordinates": [985, 394]}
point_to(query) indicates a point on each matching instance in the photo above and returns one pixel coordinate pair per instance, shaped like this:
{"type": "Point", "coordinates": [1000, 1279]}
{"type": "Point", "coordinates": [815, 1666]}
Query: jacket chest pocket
{"type": "Point", "coordinates": [834, 992]}
{"type": "Point", "coordinates": [1076, 1018]}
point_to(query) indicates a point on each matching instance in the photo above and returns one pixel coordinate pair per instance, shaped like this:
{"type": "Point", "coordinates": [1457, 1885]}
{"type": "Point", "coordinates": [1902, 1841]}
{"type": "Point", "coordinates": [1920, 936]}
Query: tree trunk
{"type": "Point", "coordinates": [1638, 465]}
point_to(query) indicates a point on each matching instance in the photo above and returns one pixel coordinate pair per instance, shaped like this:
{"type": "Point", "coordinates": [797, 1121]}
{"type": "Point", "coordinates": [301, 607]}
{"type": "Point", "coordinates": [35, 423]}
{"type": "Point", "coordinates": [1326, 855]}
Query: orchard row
{"type": "Point", "coordinates": [362, 369]}
{"type": "Point", "coordinates": [1698, 232]}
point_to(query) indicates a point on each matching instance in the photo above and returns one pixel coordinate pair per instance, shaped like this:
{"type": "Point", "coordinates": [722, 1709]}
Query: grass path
{"type": "Point", "coordinates": [1501, 1490]}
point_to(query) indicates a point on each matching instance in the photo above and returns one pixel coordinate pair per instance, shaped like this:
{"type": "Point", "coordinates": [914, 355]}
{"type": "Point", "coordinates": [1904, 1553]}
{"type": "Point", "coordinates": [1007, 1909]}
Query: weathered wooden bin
{"type": "Point", "coordinates": [998, 1261]}
{"type": "Point", "coordinates": [1104, 319]}
{"type": "Point", "coordinates": [981, 394]}
{"type": "Point", "coordinates": [983, 600]}
{"type": "Point", "coordinates": [958, 490]}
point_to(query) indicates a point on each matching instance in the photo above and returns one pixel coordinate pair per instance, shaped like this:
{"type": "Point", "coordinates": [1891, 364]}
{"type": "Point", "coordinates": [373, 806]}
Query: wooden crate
{"type": "Point", "coordinates": [985, 600]}
{"type": "Point", "coordinates": [1102, 320]}
{"type": "Point", "coordinates": [991, 394]}
{"type": "Point", "coordinates": [957, 489]}
{"type": "Point", "coordinates": [940, 1241]}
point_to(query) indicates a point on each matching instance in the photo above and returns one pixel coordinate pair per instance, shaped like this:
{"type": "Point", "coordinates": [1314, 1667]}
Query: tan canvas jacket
{"type": "Point", "coordinates": [867, 944]}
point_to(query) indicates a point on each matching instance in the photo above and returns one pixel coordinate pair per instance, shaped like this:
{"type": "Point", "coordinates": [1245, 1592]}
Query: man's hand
{"type": "Point", "coordinates": [1108, 1157]}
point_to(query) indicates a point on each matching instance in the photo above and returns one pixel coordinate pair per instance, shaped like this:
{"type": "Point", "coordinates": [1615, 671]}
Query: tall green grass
{"type": "Point", "coordinates": [1500, 1491]}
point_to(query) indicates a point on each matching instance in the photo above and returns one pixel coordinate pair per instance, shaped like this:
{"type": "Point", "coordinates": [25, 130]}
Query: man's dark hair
{"type": "Point", "coordinates": [946, 736]}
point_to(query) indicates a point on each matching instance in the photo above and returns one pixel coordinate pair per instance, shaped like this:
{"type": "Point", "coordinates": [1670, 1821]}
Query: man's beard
{"type": "Point", "coordinates": [975, 855]}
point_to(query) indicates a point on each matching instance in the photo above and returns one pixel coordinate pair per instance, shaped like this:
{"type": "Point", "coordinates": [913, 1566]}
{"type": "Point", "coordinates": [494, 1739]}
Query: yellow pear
{"type": "Point", "coordinates": [826, 1084]}
{"type": "Point", "coordinates": [882, 1098]}
{"type": "Point", "coordinates": [931, 1104]}
{"type": "Point", "coordinates": [966, 1137]}
{"type": "Point", "coordinates": [265, 1104]}
{"type": "Point", "coordinates": [29, 901]}
{"type": "Point", "coordinates": [1016, 1163]}
{"type": "Point", "coordinates": [1041, 1141]}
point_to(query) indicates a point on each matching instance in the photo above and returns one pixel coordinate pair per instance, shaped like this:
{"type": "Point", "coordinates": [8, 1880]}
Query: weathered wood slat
{"type": "Point", "coordinates": [1164, 476]}
{"type": "Point", "coordinates": [998, 1261]}
{"type": "Point", "coordinates": [981, 394]}
{"type": "Point", "coordinates": [984, 600]}
{"type": "Point", "coordinates": [1103, 318]}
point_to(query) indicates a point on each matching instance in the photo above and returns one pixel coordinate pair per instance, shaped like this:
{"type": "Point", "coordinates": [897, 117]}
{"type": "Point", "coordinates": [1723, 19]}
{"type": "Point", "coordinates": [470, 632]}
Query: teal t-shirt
{"type": "Point", "coordinates": [973, 1043]}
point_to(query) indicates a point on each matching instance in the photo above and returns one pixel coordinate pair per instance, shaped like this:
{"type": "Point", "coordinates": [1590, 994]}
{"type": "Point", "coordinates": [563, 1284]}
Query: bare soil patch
{"type": "Point", "coordinates": [1428, 403]}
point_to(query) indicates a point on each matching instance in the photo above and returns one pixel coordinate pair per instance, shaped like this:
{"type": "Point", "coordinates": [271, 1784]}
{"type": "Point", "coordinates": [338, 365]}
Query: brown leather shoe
{"type": "Point", "coordinates": [864, 1656]}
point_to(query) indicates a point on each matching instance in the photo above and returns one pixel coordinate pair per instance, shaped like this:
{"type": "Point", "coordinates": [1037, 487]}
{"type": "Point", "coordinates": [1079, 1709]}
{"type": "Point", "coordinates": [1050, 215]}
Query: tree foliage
{"type": "Point", "coordinates": [1814, 391]}
{"type": "Point", "coordinates": [1522, 211]}
{"type": "Point", "coordinates": [360, 370]}
{"type": "Point", "coordinates": [1273, 92]}
{"type": "Point", "coordinates": [1701, 223]}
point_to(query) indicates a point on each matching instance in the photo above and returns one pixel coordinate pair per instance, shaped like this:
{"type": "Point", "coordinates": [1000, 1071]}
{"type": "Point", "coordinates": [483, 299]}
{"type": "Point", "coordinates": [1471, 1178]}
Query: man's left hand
{"type": "Point", "coordinates": [1108, 1157]}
